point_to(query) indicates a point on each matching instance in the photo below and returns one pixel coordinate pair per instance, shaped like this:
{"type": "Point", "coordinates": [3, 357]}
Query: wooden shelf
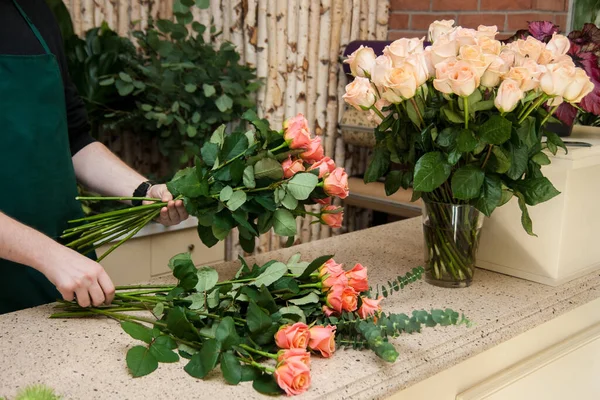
{"type": "Point", "coordinates": [372, 196]}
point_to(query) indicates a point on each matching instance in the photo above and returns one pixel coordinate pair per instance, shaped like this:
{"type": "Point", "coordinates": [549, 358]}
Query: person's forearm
{"type": "Point", "coordinates": [24, 245]}
{"type": "Point", "coordinates": [99, 170]}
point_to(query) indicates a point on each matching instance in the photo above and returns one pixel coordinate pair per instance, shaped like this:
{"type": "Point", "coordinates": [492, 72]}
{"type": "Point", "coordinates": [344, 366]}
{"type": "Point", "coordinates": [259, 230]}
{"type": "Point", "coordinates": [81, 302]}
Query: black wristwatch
{"type": "Point", "coordinates": [141, 191]}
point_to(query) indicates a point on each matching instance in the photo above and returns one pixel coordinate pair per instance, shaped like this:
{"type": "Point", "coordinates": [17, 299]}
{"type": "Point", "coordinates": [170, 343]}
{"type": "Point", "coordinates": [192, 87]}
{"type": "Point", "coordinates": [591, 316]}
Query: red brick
{"type": "Point", "coordinates": [561, 21]}
{"type": "Point", "coordinates": [454, 5]}
{"type": "Point", "coordinates": [422, 21]}
{"type": "Point", "coordinates": [550, 5]}
{"type": "Point", "coordinates": [394, 35]}
{"type": "Point", "coordinates": [520, 21]}
{"type": "Point", "coordinates": [474, 20]}
{"type": "Point", "coordinates": [410, 5]}
{"type": "Point", "coordinates": [398, 21]}
{"type": "Point", "coordinates": [506, 5]}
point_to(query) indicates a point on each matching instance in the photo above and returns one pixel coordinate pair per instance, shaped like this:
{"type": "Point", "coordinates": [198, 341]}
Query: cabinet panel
{"type": "Point", "coordinates": [167, 245]}
{"type": "Point", "coordinates": [130, 263]}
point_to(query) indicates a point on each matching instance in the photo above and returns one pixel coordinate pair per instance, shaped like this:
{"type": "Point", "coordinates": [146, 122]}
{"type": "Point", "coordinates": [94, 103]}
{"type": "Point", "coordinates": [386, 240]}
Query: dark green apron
{"type": "Point", "coordinates": [36, 170]}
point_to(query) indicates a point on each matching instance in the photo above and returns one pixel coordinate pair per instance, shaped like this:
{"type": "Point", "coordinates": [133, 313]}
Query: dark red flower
{"type": "Point", "coordinates": [542, 30]}
{"type": "Point", "coordinates": [566, 113]}
{"type": "Point", "coordinates": [588, 38]}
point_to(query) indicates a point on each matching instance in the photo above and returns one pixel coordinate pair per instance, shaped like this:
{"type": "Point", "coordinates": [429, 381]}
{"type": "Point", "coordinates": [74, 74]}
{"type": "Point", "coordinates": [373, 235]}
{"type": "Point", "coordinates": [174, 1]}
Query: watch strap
{"type": "Point", "coordinates": [141, 191]}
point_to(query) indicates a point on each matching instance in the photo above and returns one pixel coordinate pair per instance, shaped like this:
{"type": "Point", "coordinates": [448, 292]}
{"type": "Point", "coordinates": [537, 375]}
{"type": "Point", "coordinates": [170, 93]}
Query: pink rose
{"type": "Point", "coordinates": [369, 307]}
{"type": "Point", "coordinates": [325, 201]}
{"type": "Point", "coordinates": [291, 168]}
{"type": "Point", "coordinates": [325, 165]}
{"type": "Point", "coordinates": [402, 48]}
{"type": "Point", "coordinates": [298, 355]}
{"type": "Point", "coordinates": [349, 299]}
{"type": "Point", "coordinates": [328, 311]}
{"type": "Point", "coordinates": [333, 279]}
{"type": "Point", "coordinates": [292, 336]}
{"type": "Point", "coordinates": [463, 78]}
{"type": "Point", "coordinates": [357, 278]}
{"type": "Point", "coordinates": [333, 219]}
{"type": "Point", "coordinates": [442, 75]}
{"type": "Point", "coordinates": [331, 267]}
{"type": "Point", "coordinates": [359, 93]}
{"type": "Point", "coordinates": [476, 58]}
{"type": "Point", "coordinates": [401, 80]}
{"type": "Point", "coordinates": [336, 183]}
{"type": "Point", "coordinates": [293, 377]}
{"type": "Point", "coordinates": [334, 298]}
{"type": "Point", "coordinates": [508, 96]}
{"type": "Point", "coordinates": [361, 61]}
{"type": "Point", "coordinates": [314, 151]}
{"type": "Point", "coordinates": [296, 132]}
{"type": "Point", "coordinates": [322, 339]}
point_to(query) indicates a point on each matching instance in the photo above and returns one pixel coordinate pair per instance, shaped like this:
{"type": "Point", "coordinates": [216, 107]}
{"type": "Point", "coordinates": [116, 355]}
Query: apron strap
{"type": "Point", "coordinates": [37, 33]}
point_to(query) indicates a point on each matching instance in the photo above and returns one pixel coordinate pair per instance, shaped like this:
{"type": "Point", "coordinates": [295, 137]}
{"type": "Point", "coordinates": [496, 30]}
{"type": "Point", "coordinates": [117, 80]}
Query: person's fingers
{"type": "Point", "coordinates": [183, 214]}
{"type": "Point", "coordinates": [107, 287]}
{"type": "Point", "coordinates": [173, 214]}
{"type": "Point", "coordinates": [67, 294]}
{"type": "Point", "coordinates": [96, 294]}
{"type": "Point", "coordinates": [83, 297]}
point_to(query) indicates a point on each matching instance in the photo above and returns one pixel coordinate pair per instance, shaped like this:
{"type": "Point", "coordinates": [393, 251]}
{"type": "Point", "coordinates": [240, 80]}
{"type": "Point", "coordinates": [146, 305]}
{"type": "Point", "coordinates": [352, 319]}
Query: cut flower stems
{"type": "Point", "coordinates": [265, 324]}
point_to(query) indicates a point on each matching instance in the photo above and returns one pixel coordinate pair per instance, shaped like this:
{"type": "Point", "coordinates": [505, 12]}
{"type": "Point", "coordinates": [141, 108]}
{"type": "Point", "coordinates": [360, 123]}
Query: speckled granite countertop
{"type": "Point", "coordinates": [85, 359]}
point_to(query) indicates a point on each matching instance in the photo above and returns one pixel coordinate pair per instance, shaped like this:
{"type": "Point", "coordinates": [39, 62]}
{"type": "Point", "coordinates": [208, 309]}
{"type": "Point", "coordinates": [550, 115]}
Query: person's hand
{"type": "Point", "coordinates": [76, 276]}
{"type": "Point", "coordinates": [174, 212]}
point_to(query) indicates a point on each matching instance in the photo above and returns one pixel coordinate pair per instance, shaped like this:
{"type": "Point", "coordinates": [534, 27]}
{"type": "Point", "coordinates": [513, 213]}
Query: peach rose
{"type": "Point", "coordinates": [322, 339]}
{"type": "Point", "coordinates": [293, 377]}
{"type": "Point", "coordinates": [490, 46]}
{"type": "Point", "coordinates": [333, 279]}
{"type": "Point", "coordinates": [508, 96]}
{"type": "Point", "coordinates": [559, 45]}
{"type": "Point", "coordinates": [545, 57]}
{"type": "Point", "coordinates": [361, 61]}
{"type": "Point", "coordinates": [484, 31]}
{"type": "Point", "coordinates": [381, 70]}
{"type": "Point", "coordinates": [332, 219]}
{"type": "Point", "coordinates": [439, 28]}
{"type": "Point", "coordinates": [357, 278]}
{"type": "Point", "coordinates": [334, 298]}
{"type": "Point", "coordinates": [442, 75]}
{"type": "Point", "coordinates": [324, 165]}
{"type": "Point", "coordinates": [509, 57]}
{"type": "Point", "coordinates": [556, 77]}
{"type": "Point", "coordinates": [296, 132]}
{"type": "Point", "coordinates": [443, 49]}
{"type": "Point", "coordinates": [314, 152]}
{"type": "Point", "coordinates": [349, 299]}
{"type": "Point", "coordinates": [331, 267]}
{"type": "Point", "coordinates": [565, 60]}
{"type": "Point", "coordinates": [523, 77]}
{"type": "Point", "coordinates": [476, 58]}
{"type": "Point", "coordinates": [530, 48]}
{"type": "Point", "coordinates": [420, 67]}
{"type": "Point", "coordinates": [401, 49]}
{"type": "Point", "coordinates": [369, 307]}
{"type": "Point", "coordinates": [465, 36]}
{"type": "Point", "coordinates": [491, 76]}
{"type": "Point", "coordinates": [580, 87]}
{"type": "Point", "coordinates": [359, 93]}
{"type": "Point", "coordinates": [401, 80]}
{"type": "Point", "coordinates": [292, 336]}
{"type": "Point", "coordinates": [297, 355]}
{"type": "Point", "coordinates": [463, 79]}
{"type": "Point", "coordinates": [291, 168]}
{"type": "Point", "coordinates": [336, 183]}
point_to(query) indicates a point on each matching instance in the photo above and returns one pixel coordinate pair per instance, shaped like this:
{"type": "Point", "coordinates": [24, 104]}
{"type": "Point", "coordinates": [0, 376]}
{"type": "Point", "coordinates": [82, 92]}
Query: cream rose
{"type": "Point", "coordinates": [361, 61]}
{"type": "Point", "coordinates": [360, 93]}
{"type": "Point", "coordinates": [484, 31]}
{"type": "Point", "coordinates": [523, 77]}
{"type": "Point", "coordinates": [559, 45]}
{"type": "Point", "coordinates": [508, 96]}
{"type": "Point", "coordinates": [465, 36]}
{"type": "Point", "coordinates": [442, 75]}
{"type": "Point", "coordinates": [508, 56]}
{"type": "Point", "coordinates": [400, 49]}
{"type": "Point", "coordinates": [579, 87]}
{"type": "Point", "coordinates": [438, 29]}
{"type": "Point", "coordinates": [420, 67]}
{"type": "Point", "coordinates": [545, 57]}
{"type": "Point", "coordinates": [555, 79]}
{"type": "Point", "coordinates": [565, 60]}
{"type": "Point", "coordinates": [493, 73]}
{"type": "Point", "coordinates": [443, 49]}
{"type": "Point", "coordinates": [464, 79]}
{"type": "Point", "coordinates": [380, 71]}
{"type": "Point", "coordinates": [476, 58]}
{"type": "Point", "coordinates": [402, 81]}
{"type": "Point", "coordinates": [530, 48]}
{"type": "Point", "coordinates": [489, 46]}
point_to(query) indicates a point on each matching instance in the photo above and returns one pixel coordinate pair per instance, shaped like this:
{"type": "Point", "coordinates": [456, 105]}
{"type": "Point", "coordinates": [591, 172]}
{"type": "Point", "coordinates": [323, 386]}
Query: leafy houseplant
{"type": "Point", "coordinates": [462, 122]}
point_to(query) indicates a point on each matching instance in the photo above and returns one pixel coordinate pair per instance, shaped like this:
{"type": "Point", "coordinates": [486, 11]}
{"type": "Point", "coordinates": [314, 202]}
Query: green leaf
{"type": "Point", "coordinates": [431, 170]}
{"type": "Point", "coordinates": [447, 137]}
{"type": "Point", "coordinates": [238, 198]}
{"type": "Point", "coordinates": [198, 301]}
{"type": "Point", "coordinates": [158, 310]}
{"type": "Point", "coordinates": [190, 88]}
{"type": "Point", "coordinates": [265, 222]}
{"type": "Point", "coordinates": [196, 117]}
{"type": "Point", "coordinates": [536, 190]}
{"type": "Point", "coordinates": [506, 196]}
{"type": "Point", "coordinates": [393, 182]}
{"type": "Point", "coordinates": [453, 116]}
{"type": "Point", "coordinates": [207, 279]}
{"type": "Point", "coordinates": [140, 361]}
{"type": "Point", "coordinates": [256, 318]}
{"type": "Point", "coordinates": [224, 103]}
{"type": "Point", "coordinates": [467, 182]}
{"type": "Point", "coordinates": [180, 259]}
{"type": "Point", "coordinates": [205, 360]}
{"type": "Point", "coordinates": [179, 325]}
{"type": "Point", "coordinates": [124, 88]}
{"type": "Point", "coordinates": [284, 223]}
{"type": "Point", "coordinates": [518, 160]}
{"type": "Point", "coordinates": [166, 341]}
{"type": "Point", "coordinates": [271, 274]}
{"type": "Point", "coordinates": [226, 333]}
{"type": "Point", "coordinates": [209, 90]}
{"type": "Point", "coordinates": [555, 140]}
{"type": "Point", "coordinates": [250, 373]}
{"type": "Point", "coordinates": [108, 82]}
{"type": "Point", "coordinates": [203, 4]}
{"type": "Point", "coordinates": [540, 158]}
{"type": "Point", "coordinates": [248, 177]}
{"type": "Point", "coordinates": [231, 368]}
{"type": "Point", "coordinates": [289, 201]}
{"type": "Point", "coordinates": [209, 152]}
{"type": "Point", "coordinates": [525, 218]}
{"type": "Point", "coordinates": [225, 193]}
{"type": "Point", "coordinates": [137, 331]}
{"type": "Point", "coordinates": [125, 77]}
{"type": "Point", "coordinates": [162, 353]}
{"type": "Point", "coordinates": [266, 384]}
{"type": "Point", "coordinates": [223, 222]}
{"type": "Point", "coordinates": [502, 160]}
{"type": "Point", "coordinates": [205, 234]}
{"type": "Point", "coordinates": [483, 105]}
{"type": "Point", "coordinates": [293, 311]}
{"type": "Point", "coordinates": [491, 194]}
{"type": "Point", "coordinates": [218, 136]}
{"type": "Point", "coordinates": [314, 265]}
{"type": "Point", "coordinates": [378, 166]}
{"type": "Point", "coordinates": [187, 184]}
{"type": "Point", "coordinates": [191, 131]}
{"type": "Point", "coordinates": [301, 185]}
{"type": "Point", "coordinates": [527, 132]}
{"type": "Point", "coordinates": [495, 130]}
{"type": "Point", "coordinates": [268, 168]}
{"type": "Point", "coordinates": [310, 298]}
{"type": "Point", "coordinates": [466, 141]}
{"type": "Point", "coordinates": [234, 145]}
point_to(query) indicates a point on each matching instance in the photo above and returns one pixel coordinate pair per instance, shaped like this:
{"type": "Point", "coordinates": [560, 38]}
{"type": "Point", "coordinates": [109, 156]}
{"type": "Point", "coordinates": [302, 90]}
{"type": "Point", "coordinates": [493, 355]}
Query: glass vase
{"type": "Point", "coordinates": [451, 235]}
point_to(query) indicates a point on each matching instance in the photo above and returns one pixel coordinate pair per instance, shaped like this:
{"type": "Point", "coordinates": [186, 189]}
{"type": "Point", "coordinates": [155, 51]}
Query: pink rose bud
{"type": "Point", "coordinates": [335, 219]}
{"type": "Point", "coordinates": [293, 377]}
{"type": "Point", "coordinates": [314, 152]}
{"type": "Point", "coordinates": [331, 267]}
{"type": "Point", "coordinates": [324, 165]}
{"type": "Point", "coordinates": [325, 201]}
{"type": "Point", "coordinates": [290, 168]}
{"type": "Point", "coordinates": [322, 339]}
{"type": "Point", "coordinates": [357, 278]}
{"type": "Point", "coordinates": [296, 132]}
{"type": "Point", "coordinates": [292, 336]}
{"type": "Point", "coordinates": [334, 298]}
{"type": "Point", "coordinates": [336, 183]}
{"type": "Point", "coordinates": [300, 355]}
{"type": "Point", "coordinates": [349, 299]}
{"type": "Point", "coordinates": [369, 307]}
{"type": "Point", "coordinates": [328, 311]}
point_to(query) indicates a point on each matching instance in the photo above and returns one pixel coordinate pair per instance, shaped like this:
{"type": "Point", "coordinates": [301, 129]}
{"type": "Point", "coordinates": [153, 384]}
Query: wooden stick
{"type": "Point", "coordinates": [203, 17]}
{"type": "Point", "coordinates": [364, 20]}
{"type": "Point", "coordinates": [236, 26]}
{"type": "Point", "coordinates": [76, 14]}
{"type": "Point", "coordinates": [262, 55]}
{"type": "Point", "coordinates": [99, 17]}
{"type": "Point", "coordinates": [313, 62]}
{"type": "Point", "coordinates": [226, 15]}
{"type": "Point", "coordinates": [383, 16]}
{"type": "Point", "coordinates": [301, 56]}
{"type": "Point", "coordinates": [123, 24]}
{"type": "Point", "coordinates": [323, 67]}
{"type": "Point", "coordinates": [372, 19]}
{"type": "Point", "coordinates": [355, 25]}
{"type": "Point", "coordinates": [291, 58]}
{"type": "Point", "coordinates": [136, 16]}
{"type": "Point", "coordinates": [278, 94]}
{"type": "Point", "coordinates": [250, 33]}
{"type": "Point", "coordinates": [331, 126]}
{"type": "Point", "coordinates": [272, 90]}
{"type": "Point", "coordinates": [217, 15]}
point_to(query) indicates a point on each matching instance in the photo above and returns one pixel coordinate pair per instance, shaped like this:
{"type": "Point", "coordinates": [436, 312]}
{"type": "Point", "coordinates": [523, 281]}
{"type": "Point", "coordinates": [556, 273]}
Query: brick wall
{"type": "Point", "coordinates": [411, 18]}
